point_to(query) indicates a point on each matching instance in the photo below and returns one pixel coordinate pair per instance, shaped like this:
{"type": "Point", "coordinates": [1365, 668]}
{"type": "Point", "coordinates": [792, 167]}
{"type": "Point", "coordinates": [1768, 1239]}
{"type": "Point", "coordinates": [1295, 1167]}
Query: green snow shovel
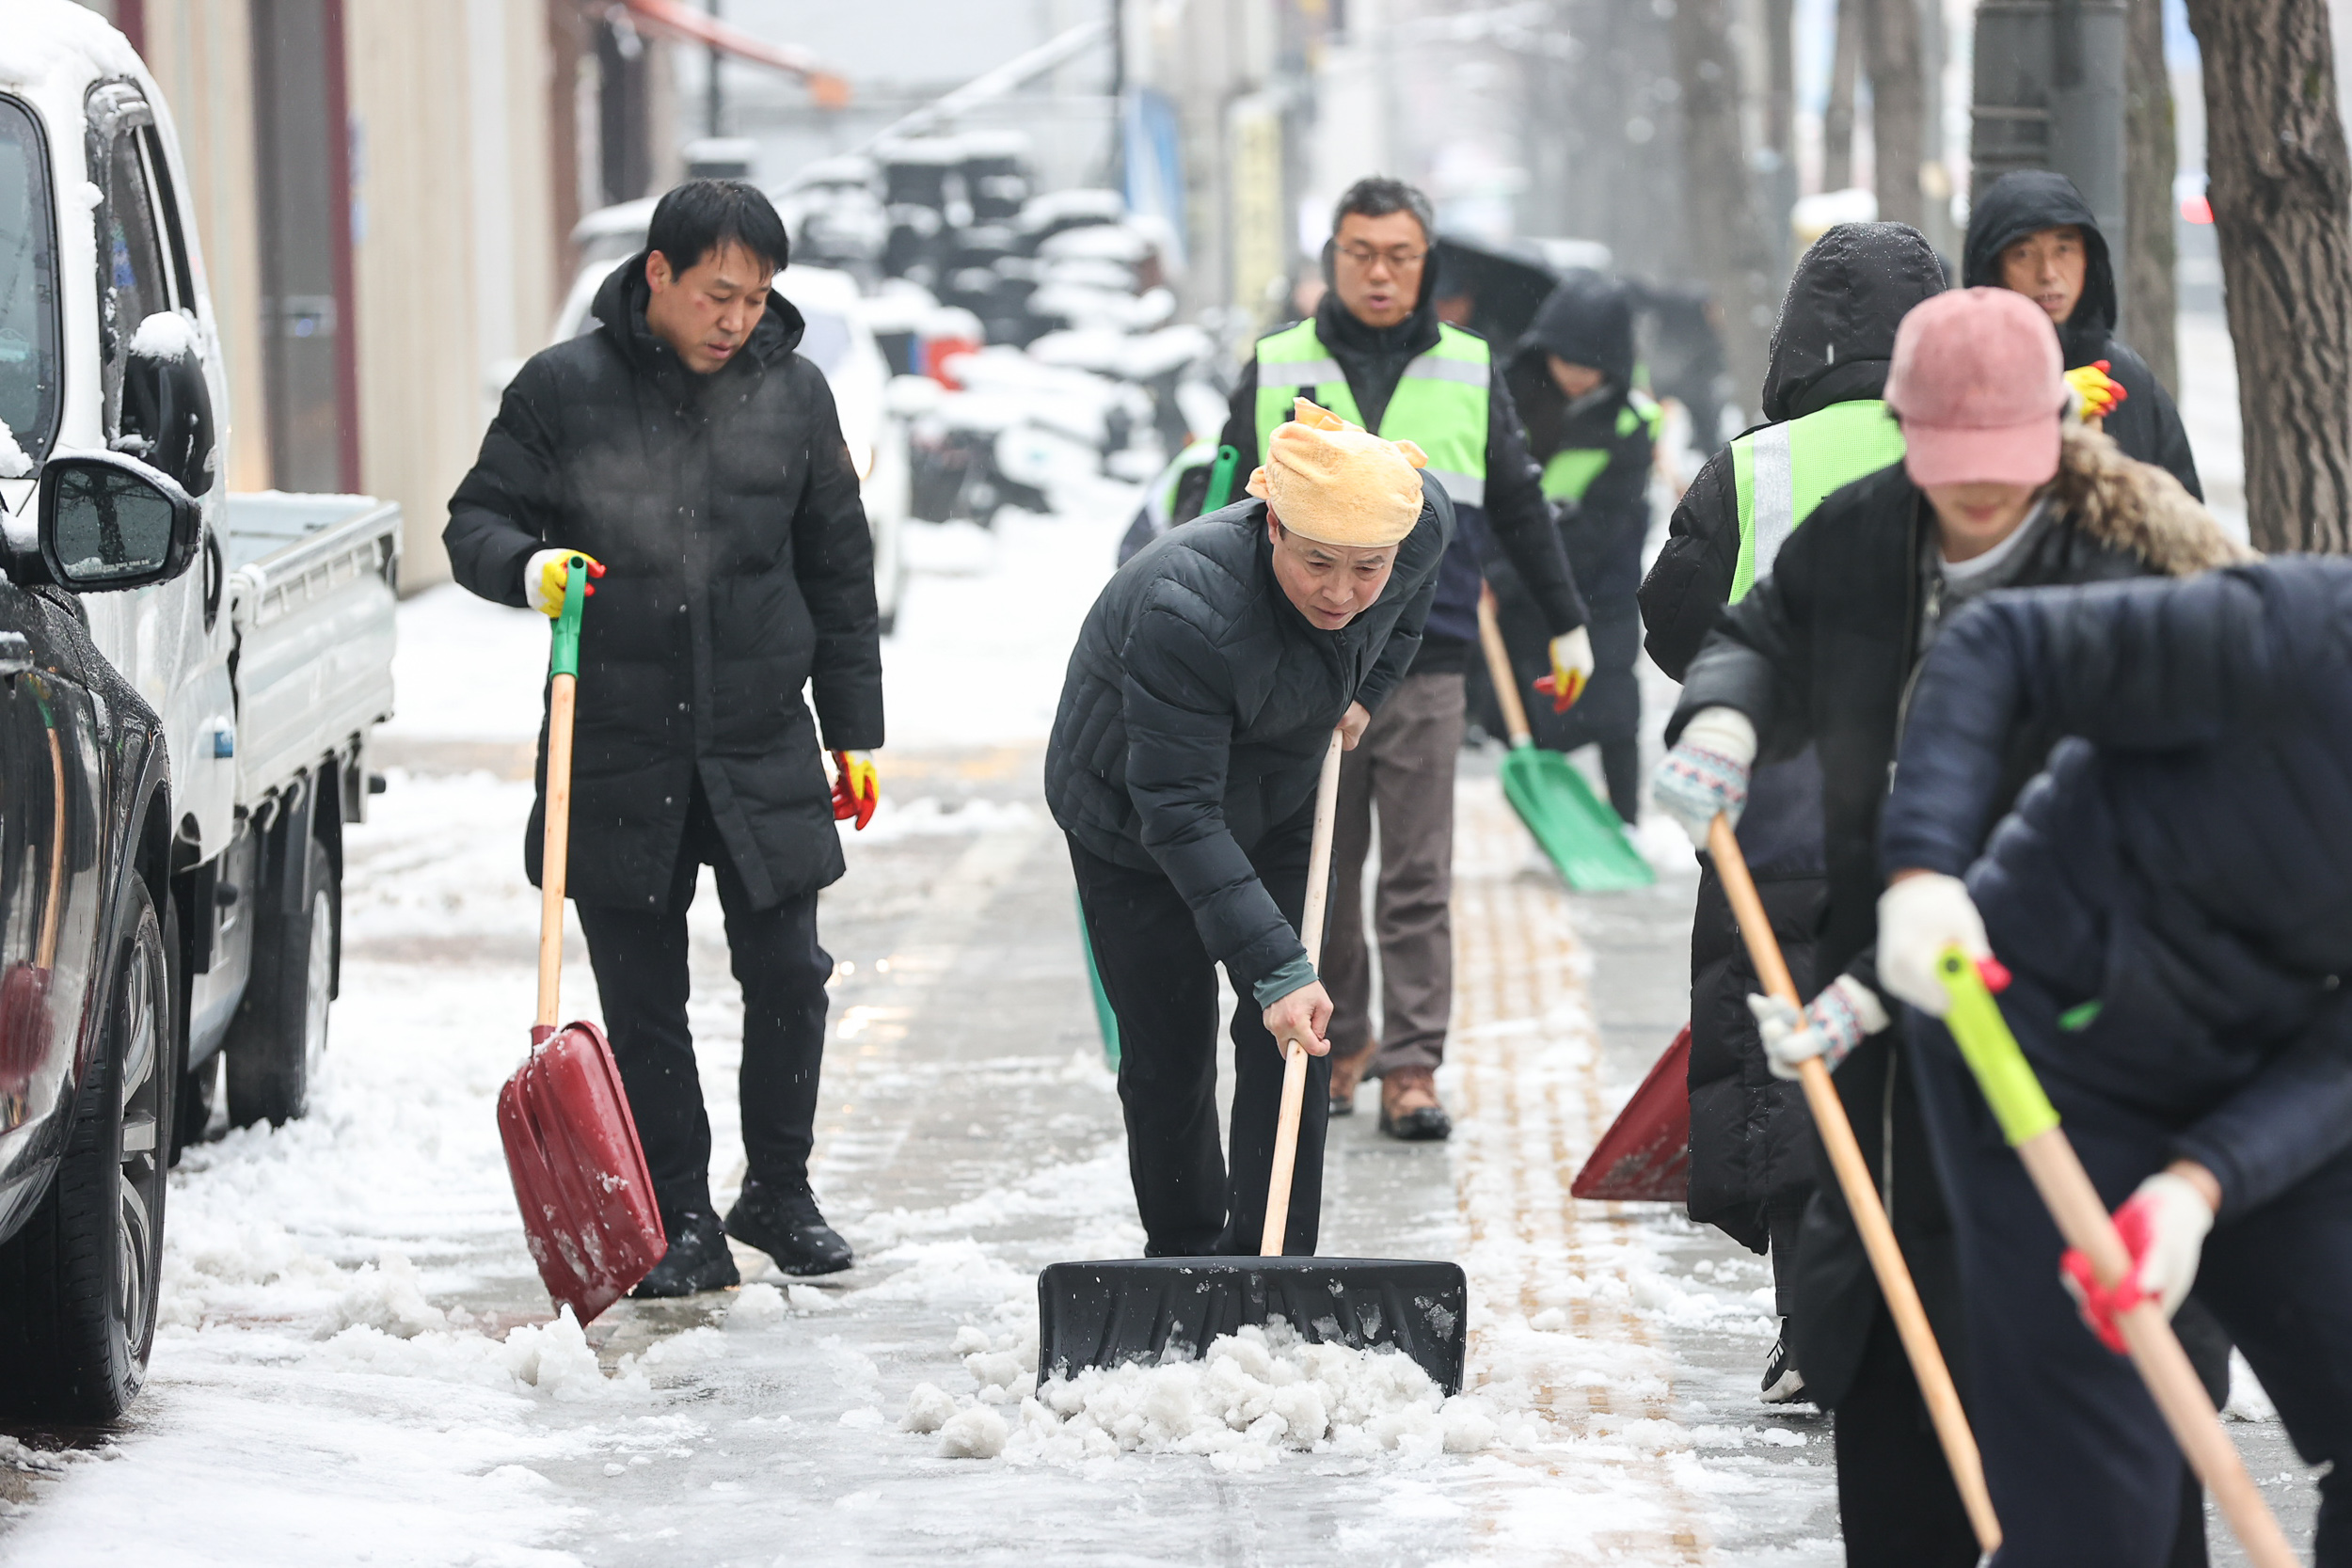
{"type": "Point", "coordinates": [2031, 1123]}
{"type": "Point", "coordinates": [1584, 838]}
{"type": "Point", "coordinates": [1220, 488]}
{"type": "Point", "coordinates": [1105, 1019]}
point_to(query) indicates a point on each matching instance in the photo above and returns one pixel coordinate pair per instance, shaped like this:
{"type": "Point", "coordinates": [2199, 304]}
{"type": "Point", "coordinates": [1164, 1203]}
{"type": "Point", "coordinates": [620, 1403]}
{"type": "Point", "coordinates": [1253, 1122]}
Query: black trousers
{"type": "Point", "coordinates": [2081, 1467]}
{"type": "Point", "coordinates": [640, 962]}
{"type": "Point", "coordinates": [1162, 983]}
{"type": "Point", "coordinates": [1896, 1504]}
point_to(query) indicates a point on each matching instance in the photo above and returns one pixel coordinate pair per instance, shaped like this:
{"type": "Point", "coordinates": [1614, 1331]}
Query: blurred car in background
{"type": "Point", "coordinates": [839, 342]}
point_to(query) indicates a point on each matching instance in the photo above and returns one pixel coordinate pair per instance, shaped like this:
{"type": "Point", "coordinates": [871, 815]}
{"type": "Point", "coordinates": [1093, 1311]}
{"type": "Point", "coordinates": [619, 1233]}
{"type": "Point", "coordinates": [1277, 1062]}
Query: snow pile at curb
{"type": "Point", "coordinates": [1252, 1397]}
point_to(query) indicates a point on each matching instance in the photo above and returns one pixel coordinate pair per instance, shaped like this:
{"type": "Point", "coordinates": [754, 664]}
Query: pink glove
{"type": "Point", "coordinates": [2164, 1225]}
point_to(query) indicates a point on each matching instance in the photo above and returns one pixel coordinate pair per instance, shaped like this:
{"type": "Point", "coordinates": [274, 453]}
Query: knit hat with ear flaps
{"type": "Point", "coordinates": [1338, 485]}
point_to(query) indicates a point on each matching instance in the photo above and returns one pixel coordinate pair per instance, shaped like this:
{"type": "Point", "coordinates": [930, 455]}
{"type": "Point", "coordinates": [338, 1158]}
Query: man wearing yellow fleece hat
{"type": "Point", "coordinates": [1199, 700]}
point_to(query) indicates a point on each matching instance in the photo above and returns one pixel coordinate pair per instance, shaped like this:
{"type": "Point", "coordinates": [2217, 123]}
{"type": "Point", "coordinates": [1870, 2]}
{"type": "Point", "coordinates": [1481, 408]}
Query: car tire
{"type": "Point", "coordinates": [78, 1285]}
{"type": "Point", "coordinates": [279, 1038]}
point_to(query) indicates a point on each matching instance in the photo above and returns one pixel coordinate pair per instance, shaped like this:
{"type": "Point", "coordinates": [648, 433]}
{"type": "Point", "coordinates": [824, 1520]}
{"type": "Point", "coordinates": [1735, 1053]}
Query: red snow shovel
{"type": "Point", "coordinates": [1862, 1198]}
{"type": "Point", "coordinates": [571, 1144]}
{"type": "Point", "coordinates": [1156, 1309]}
{"type": "Point", "coordinates": [1644, 1157]}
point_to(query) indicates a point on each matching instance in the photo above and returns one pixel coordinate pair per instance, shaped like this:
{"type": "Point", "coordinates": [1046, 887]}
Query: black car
{"type": "Point", "coordinates": [89, 1016]}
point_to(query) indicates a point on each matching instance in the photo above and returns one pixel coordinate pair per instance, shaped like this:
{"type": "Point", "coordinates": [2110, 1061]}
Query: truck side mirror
{"type": "Point", "coordinates": [166, 402]}
{"type": "Point", "coordinates": [111, 522]}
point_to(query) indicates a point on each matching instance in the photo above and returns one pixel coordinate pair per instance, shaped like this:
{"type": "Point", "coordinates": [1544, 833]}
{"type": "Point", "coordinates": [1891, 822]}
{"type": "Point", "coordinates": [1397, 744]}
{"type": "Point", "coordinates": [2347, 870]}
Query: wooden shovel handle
{"type": "Point", "coordinates": [1500, 673]}
{"type": "Point", "coordinates": [1278, 1199]}
{"type": "Point", "coordinates": [1862, 1198]}
{"type": "Point", "coordinates": [555, 848]}
{"type": "Point", "coordinates": [2082, 1218]}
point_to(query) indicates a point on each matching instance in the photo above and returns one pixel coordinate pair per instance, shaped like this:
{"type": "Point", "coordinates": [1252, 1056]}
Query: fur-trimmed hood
{"type": "Point", "coordinates": [2139, 507]}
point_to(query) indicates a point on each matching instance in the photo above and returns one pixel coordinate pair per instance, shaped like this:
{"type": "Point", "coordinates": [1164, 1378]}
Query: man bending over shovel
{"type": "Point", "coordinates": [1200, 703]}
{"type": "Point", "coordinates": [2175, 899]}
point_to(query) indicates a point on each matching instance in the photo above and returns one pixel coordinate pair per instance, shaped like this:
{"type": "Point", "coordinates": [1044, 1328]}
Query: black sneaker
{"type": "Point", "coordinates": [1783, 1383]}
{"type": "Point", "coordinates": [785, 1226]}
{"type": "Point", "coordinates": [698, 1260]}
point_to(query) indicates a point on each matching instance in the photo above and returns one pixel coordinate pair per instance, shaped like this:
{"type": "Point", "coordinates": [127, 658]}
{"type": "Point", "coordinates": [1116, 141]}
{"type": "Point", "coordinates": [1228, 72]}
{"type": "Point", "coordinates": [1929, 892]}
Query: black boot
{"type": "Point", "coordinates": [698, 1260]}
{"type": "Point", "coordinates": [784, 1224]}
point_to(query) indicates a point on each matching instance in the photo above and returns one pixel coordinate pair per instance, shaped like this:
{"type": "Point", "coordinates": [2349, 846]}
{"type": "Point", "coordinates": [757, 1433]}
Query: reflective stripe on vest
{"type": "Point", "coordinates": [1783, 472]}
{"type": "Point", "coordinates": [1570, 471]}
{"type": "Point", "coordinates": [1439, 404]}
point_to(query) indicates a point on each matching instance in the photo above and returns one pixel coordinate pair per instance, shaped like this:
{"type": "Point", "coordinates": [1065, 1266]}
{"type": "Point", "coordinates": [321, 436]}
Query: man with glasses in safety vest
{"type": "Point", "coordinates": [1376, 354]}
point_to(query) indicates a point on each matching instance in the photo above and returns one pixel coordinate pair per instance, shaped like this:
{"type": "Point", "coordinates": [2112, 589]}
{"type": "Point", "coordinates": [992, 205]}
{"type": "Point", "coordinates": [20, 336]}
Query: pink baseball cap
{"type": "Point", "coordinates": [1979, 383]}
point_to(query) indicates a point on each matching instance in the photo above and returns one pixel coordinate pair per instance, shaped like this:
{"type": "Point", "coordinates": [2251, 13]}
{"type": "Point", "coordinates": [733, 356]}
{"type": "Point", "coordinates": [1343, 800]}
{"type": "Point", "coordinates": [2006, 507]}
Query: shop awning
{"type": "Point", "coordinates": [683, 22]}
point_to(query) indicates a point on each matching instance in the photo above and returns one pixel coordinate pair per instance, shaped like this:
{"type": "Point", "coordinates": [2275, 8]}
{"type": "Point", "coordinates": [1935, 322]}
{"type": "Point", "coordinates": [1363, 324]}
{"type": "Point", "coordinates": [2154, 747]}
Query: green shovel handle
{"type": "Point", "coordinates": [1220, 480]}
{"type": "Point", "coordinates": [1992, 1052]}
{"type": "Point", "coordinates": [565, 658]}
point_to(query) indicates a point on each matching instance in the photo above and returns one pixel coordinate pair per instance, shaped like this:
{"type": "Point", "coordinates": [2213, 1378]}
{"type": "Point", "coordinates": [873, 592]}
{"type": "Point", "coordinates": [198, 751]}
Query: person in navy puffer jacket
{"type": "Point", "coordinates": [2174, 896]}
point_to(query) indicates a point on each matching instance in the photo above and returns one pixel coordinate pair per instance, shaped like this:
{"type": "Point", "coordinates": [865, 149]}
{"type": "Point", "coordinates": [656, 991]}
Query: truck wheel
{"type": "Point", "coordinates": [279, 1038]}
{"type": "Point", "coordinates": [78, 1283]}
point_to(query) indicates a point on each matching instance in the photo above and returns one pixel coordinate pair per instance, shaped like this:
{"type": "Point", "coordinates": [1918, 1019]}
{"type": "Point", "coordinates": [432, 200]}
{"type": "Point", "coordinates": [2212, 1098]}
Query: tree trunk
{"type": "Point", "coordinates": [2150, 158]}
{"type": "Point", "coordinates": [2282, 197]}
{"type": "Point", "coordinates": [1719, 192]}
{"type": "Point", "coordinates": [1890, 37]}
{"type": "Point", "coordinates": [1837, 117]}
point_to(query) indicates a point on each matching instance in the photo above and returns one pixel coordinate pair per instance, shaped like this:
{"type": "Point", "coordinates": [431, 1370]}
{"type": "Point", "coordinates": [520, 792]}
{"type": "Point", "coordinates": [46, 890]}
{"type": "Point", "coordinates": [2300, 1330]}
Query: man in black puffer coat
{"type": "Point", "coordinates": [684, 446]}
{"type": "Point", "coordinates": [1194, 722]}
{"type": "Point", "coordinates": [2175, 899]}
{"type": "Point", "coordinates": [1593, 434]}
{"type": "Point", "coordinates": [2032, 232]}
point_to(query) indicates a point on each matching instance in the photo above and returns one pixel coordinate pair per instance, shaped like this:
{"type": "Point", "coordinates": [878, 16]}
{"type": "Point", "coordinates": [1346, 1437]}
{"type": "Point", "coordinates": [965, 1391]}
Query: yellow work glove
{"type": "Point", "coordinates": [545, 575]}
{"type": "Point", "coordinates": [2096, 394]}
{"type": "Point", "coordinates": [1571, 667]}
{"type": "Point", "coordinates": [856, 787]}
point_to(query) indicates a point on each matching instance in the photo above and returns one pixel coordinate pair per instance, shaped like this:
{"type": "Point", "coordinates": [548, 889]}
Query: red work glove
{"type": "Point", "coordinates": [856, 787]}
{"type": "Point", "coordinates": [2164, 1225]}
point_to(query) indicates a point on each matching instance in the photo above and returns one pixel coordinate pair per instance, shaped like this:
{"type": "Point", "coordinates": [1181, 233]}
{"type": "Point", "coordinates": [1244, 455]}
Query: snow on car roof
{"type": "Point", "coordinates": [47, 40]}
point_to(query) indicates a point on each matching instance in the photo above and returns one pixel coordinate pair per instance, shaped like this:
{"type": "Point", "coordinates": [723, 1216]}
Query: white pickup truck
{"type": "Point", "coordinates": [266, 659]}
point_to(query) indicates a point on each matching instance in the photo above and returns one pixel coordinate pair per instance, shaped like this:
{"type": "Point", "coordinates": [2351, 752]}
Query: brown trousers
{"type": "Point", "coordinates": [1405, 767]}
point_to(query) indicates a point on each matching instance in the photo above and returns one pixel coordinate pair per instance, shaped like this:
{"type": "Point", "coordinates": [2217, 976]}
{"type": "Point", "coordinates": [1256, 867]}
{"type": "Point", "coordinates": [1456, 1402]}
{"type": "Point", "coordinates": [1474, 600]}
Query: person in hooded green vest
{"type": "Point", "coordinates": [1376, 354]}
{"type": "Point", "coordinates": [1595, 432]}
{"type": "Point", "coordinates": [1751, 1146]}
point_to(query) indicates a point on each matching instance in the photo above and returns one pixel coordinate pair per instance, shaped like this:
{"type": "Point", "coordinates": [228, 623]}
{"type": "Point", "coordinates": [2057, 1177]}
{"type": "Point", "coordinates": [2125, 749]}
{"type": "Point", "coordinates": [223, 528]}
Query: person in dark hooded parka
{"type": "Point", "coordinates": [1592, 434]}
{"type": "Point", "coordinates": [2032, 232]}
{"type": "Point", "coordinates": [1751, 1149]}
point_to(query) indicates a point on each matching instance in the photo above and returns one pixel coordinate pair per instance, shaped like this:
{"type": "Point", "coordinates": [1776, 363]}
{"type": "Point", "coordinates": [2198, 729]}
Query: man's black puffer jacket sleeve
{"type": "Point", "coordinates": [1180, 737]}
{"type": "Point", "coordinates": [1689, 582]}
{"type": "Point", "coordinates": [505, 508]}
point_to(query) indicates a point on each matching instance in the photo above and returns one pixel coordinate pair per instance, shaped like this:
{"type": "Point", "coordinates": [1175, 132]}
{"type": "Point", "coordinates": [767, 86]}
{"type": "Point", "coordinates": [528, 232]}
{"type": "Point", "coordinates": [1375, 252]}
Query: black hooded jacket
{"type": "Point", "coordinates": [2026, 201]}
{"type": "Point", "coordinates": [1197, 707]}
{"type": "Point", "coordinates": [1589, 321]}
{"type": "Point", "coordinates": [738, 570]}
{"type": "Point", "coordinates": [1833, 343]}
{"type": "Point", "coordinates": [1374, 359]}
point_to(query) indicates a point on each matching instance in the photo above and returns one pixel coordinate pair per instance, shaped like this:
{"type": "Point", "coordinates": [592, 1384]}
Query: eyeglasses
{"type": "Point", "coordinates": [1399, 259]}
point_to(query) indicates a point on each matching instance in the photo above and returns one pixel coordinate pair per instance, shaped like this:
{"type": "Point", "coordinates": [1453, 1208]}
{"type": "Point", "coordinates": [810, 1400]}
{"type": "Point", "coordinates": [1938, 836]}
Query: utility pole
{"type": "Point", "coordinates": [2049, 94]}
{"type": "Point", "coordinates": [714, 103]}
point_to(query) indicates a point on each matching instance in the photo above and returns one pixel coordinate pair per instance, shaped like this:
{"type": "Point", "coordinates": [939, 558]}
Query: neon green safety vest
{"type": "Point", "coordinates": [1439, 404]}
{"type": "Point", "coordinates": [1570, 471]}
{"type": "Point", "coordinates": [1783, 472]}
